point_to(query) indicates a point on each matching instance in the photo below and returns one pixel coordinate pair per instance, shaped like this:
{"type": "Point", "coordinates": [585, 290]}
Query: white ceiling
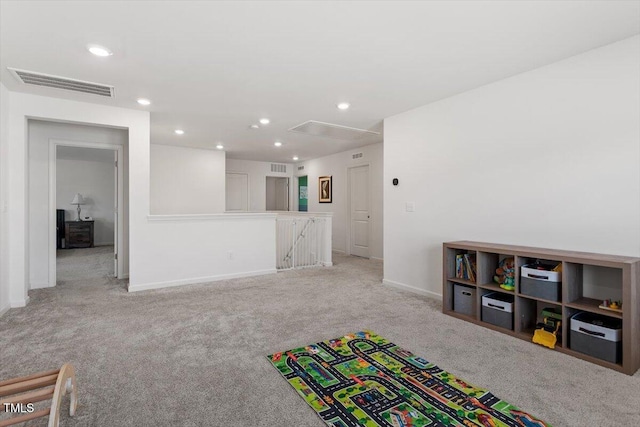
{"type": "Point", "coordinates": [85, 154]}
{"type": "Point", "coordinates": [214, 68]}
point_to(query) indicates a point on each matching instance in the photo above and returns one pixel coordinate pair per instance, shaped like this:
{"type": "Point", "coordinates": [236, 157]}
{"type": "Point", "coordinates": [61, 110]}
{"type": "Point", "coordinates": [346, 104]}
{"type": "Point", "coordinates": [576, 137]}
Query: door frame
{"type": "Point", "coordinates": [288, 178]}
{"type": "Point", "coordinates": [119, 233]}
{"type": "Point", "coordinates": [348, 248]}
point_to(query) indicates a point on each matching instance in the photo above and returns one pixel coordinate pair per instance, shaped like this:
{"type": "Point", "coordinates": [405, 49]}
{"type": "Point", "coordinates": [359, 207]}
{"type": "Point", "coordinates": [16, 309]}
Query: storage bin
{"type": "Point", "coordinates": [497, 309]}
{"type": "Point", "coordinates": [464, 300]}
{"type": "Point", "coordinates": [597, 336]}
{"type": "Point", "coordinates": [541, 283]}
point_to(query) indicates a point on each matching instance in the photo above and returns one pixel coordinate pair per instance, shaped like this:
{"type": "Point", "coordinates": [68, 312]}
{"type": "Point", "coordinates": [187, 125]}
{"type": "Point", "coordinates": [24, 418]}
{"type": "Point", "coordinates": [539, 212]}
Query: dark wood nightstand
{"type": "Point", "coordinates": [78, 234]}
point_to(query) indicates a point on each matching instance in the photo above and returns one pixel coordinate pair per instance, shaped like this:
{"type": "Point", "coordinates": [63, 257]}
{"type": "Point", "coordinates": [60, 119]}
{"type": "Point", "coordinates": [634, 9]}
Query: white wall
{"type": "Point", "coordinates": [258, 173]}
{"type": "Point", "coordinates": [163, 251]}
{"type": "Point", "coordinates": [184, 249]}
{"type": "Point", "coordinates": [186, 180]}
{"type": "Point", "coordinates": [40, 135]}
{"type": "Point", "coordinates": [336, 165]}
{"type": "Point", "coordinates": [548, 158]}
{"type": "Point", "coordinates": [95, 180]}
{"type": "Point", "coordinates": [4, 177]}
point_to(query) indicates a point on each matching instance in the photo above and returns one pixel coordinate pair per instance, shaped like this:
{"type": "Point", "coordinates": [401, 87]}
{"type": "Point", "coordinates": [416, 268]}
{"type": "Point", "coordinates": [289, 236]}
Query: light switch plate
{"type": "Point", "coordinates": [410, 207]}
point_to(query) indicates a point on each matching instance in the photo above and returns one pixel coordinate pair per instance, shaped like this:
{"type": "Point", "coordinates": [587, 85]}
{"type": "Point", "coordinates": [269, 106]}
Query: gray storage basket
{"type": "Point", "coordinates": [464, 300]}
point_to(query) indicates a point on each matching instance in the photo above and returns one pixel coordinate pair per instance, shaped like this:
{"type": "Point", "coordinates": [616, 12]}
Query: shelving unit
{"type": "Point", "coordinates": [587, 279]}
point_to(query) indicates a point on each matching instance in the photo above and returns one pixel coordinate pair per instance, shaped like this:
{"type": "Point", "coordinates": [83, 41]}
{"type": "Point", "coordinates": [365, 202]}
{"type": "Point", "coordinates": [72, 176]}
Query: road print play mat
{"type": "Point", "coordinates": [362, 379]}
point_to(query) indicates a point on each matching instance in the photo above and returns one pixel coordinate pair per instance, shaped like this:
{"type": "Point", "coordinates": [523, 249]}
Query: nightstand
{"type": "Point", "coordinates": [78, 234]}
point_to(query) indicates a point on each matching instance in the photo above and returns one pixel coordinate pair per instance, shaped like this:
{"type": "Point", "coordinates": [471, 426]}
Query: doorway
{"type": "Point", "coordinates": [303, 194]}
{"type": "Point", "coordinates": [359, 211]}
{"type": "Point", "coordinates": [86, 198]}
{"type": "Point", "coordinates": [277, 194]}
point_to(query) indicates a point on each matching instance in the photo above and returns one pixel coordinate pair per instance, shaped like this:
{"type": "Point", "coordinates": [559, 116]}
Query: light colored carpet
{"type": "Point", "coordinates": [81, 267]}
{"type": "Point", "coordinates": [195, 355]}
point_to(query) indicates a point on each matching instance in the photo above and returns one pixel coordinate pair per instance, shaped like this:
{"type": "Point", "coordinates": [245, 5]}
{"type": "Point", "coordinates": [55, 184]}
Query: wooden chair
{"type": "Point", "coordinates": [38, 387]}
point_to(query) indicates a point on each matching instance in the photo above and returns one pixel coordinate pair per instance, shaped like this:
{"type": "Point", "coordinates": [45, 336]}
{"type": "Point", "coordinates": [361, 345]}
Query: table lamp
{"type": "Point", "coordinates": [78, 200]}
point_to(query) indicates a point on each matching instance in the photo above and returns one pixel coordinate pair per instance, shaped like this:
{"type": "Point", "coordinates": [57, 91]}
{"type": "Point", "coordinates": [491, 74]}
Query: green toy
{"type": "Point", "coordinates": [506, 274]}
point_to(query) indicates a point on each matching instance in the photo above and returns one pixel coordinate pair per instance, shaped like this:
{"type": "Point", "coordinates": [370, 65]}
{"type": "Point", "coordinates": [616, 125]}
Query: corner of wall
{"type": "Point", "coordinates": [20, 303]}
{"type": "Point", "coordinates": [412, 289]}
{"type": "Point", "coordinates": [4, 200]}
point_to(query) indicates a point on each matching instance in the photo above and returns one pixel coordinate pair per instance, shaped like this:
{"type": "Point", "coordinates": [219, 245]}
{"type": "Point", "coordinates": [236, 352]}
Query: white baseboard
{"type": "Point", "coordinates": [338, 251]}
{"type": "Point", "coordinates": [20, 303]}
{"type": "Point", "coordinates": [4, 310]}
{"type": "Point", "coordinates": [196, 280]}
{"type": "Point", "coordinates": [413, 289]}
{"type": "Point", "coordinates": [37, 285]}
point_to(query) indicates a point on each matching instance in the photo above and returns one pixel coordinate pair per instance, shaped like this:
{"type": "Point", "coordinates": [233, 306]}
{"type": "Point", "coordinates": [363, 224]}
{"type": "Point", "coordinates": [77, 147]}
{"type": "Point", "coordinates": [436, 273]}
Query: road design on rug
{"type": "Point", "coordinates": [362, 379]}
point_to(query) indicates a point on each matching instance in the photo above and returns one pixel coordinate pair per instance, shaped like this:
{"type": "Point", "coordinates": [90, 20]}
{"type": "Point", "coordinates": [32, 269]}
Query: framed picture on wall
{"type": "Point", "coordinates": [324, 189]}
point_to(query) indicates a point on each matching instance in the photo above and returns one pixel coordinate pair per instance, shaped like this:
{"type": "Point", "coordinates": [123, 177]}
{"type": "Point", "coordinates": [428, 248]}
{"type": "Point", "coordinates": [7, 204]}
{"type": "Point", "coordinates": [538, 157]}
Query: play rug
{"type": "Point", "coordinates": [362, 379]}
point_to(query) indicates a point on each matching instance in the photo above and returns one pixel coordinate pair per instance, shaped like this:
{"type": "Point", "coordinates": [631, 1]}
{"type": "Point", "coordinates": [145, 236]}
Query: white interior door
{"type": "Point", "coordinates": [115, 214]}
{"type": "Point", "coordinates": [237, 191]}
{"type": "Point", "coordinates": [359, 210]}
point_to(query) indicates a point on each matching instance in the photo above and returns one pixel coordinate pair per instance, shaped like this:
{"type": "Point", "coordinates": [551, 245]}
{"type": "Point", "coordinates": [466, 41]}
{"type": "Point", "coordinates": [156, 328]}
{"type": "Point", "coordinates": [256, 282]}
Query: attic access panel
{"type": "Point", "coordinates": [329, 130]}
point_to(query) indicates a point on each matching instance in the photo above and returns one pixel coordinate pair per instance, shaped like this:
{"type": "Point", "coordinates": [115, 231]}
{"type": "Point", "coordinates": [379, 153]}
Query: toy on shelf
{"type": "Point", "coordinates": [548, 332]}
{"type": "Point", "coordinates": [611, 305]}
{"type": "Point", "coordinates": [506, 274]}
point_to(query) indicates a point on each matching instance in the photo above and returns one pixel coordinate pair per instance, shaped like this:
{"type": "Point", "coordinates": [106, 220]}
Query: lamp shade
{"type": "Point", "coordinates": [77, 199]}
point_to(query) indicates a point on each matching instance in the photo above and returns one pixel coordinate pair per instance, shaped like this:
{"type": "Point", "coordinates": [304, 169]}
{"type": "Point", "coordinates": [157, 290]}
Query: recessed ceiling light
{"type": "Point", "coordinates": [99, 50]}
{"type": "Point", "coordinates": [219, 146]}
{"type": "Point", "coordinates": [265, 121]}
{"type": "Point", "coordinates": [143, 101]}
{"type": "Point", "coordinates": [295, 157]}
{"type": "Point", "coordinates": [179, 132]}
{"type": "Point", "coordinates": [255, 126]}
{"type": "Point", "coordinates": [277, 144]}
{"type": "Point", "coordinates": [344, 106]}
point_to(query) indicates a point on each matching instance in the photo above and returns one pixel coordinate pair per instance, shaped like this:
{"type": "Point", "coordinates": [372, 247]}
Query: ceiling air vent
{"type": "Point", "coordinates": [57, 82]}
{"type": "Point", "coordinates": [356, 156]}
{"type": "Point", "coordinates": [312, 127]}
{"type": "Point", "coordinates": [278, 168]}
{"type": "Point", "coordinates": [300, 168]}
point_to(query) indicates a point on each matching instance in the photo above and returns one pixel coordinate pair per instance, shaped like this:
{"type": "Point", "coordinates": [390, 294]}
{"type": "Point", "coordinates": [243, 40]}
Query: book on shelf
{"type": "Point", "coordinates": [470, 262]}
{"type": "Point", "coordinates": [466, 267]}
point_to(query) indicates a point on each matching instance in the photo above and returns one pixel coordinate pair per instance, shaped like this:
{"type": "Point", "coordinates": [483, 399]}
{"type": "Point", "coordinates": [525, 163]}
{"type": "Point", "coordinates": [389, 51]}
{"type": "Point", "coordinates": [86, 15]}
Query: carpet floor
{"type": "Point", "coordinates": [84, 267]}
{"type": "Point", "coordinates": [195, 355]}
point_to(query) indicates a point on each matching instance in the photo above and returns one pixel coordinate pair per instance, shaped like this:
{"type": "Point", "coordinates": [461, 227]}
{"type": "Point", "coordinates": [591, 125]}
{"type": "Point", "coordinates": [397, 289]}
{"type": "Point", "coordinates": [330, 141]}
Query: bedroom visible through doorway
{"type": "Point", "coordinates": [86, 199]}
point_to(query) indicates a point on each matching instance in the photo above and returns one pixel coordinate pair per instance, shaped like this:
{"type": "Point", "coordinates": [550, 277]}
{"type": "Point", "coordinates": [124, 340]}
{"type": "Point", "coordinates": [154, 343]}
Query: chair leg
{"type": "Point", "coordinates": [66, 383]}
{"type": "Point", "coordinates": [71, 388]}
